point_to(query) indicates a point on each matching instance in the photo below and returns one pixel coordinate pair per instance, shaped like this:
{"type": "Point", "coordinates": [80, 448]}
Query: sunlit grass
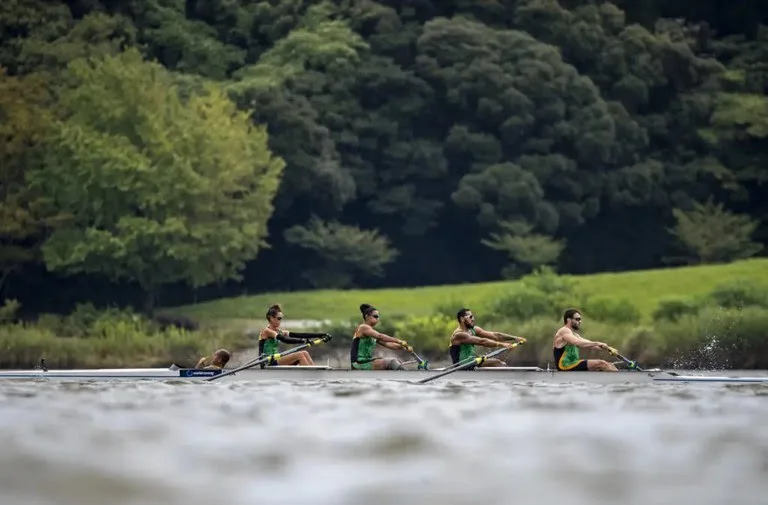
{"type": "Point", "coordinates": [643, 288]}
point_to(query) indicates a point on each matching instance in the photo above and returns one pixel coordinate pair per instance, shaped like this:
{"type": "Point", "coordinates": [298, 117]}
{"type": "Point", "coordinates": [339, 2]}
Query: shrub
{"type": "Point", "coordinates": [739, 294]}
{"type": "Point", "coordinates": [673, 308]}
{"type": "Point", "coordinates": [723, 339]}
{"type": "Point", "coordinates": [541, 294]}
{"type": "Point", "coordinates": [612, 310]}
{"type": "Point", "coordinates": [428, 334]}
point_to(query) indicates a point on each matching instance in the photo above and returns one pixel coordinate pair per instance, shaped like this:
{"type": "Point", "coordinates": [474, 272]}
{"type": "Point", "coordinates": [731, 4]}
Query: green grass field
{"type": "Point", "coordinates": [643, 288]}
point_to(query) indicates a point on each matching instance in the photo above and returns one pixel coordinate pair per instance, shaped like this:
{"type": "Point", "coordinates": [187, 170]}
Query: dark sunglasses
{"type": "Point", "coordinates": [577, 319]}
{"type": "Point", "coordinates": [375, 316]}
{"type": "Point", "coordinates": [279, 318]}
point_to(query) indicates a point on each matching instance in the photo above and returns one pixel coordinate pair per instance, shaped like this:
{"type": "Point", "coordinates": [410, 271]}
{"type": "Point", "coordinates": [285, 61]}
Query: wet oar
{"type": "Point", "coordinates": [423, 364]}
{"type": "Point", "coordinates": [632, 365]}
{"type": "Point", "coordinates": [264, 359]}
{"type": "Point", "coordinates": [463, 365]}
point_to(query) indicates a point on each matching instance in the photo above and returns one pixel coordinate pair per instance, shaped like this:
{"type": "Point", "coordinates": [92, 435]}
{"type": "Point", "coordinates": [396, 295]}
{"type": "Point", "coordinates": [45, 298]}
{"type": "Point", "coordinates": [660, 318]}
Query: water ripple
{"type": "Point", "coordinates": [382, 443]}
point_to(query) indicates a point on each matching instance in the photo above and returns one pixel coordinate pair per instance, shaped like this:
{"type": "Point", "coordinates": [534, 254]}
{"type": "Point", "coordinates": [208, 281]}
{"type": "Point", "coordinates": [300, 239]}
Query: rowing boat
{"type": "Point", "coordinates": [327, 373]}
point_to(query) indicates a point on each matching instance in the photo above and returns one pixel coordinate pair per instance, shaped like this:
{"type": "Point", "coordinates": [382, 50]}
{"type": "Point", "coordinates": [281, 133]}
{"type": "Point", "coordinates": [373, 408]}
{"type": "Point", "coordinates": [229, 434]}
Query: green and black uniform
{"type": "Point", "coordinates": [268, 346]}
{"type": "Point", "coordinates": [461, 352]}
{"type": "Point", "coordinates": [568, 360]}
{"type": "Point", "coordinates": [361, 354]}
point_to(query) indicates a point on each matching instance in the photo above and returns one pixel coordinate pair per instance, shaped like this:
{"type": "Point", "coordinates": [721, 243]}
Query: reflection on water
{"type": "Point", "coordinates": [382, 443]}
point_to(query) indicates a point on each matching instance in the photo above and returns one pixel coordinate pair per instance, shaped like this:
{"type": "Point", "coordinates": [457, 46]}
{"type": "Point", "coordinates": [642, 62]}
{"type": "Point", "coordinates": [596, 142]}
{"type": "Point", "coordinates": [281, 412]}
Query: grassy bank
{"type": "Point", "coordinates": [700, 317]}
{"type": "Point", "coordinates": [644, 289]}
{"type": "Point", "coordinates": [95, 339]}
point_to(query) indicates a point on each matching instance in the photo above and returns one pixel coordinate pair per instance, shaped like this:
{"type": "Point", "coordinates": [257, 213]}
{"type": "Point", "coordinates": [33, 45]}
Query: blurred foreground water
{"type": "Point", "coordinates": [382, 443]}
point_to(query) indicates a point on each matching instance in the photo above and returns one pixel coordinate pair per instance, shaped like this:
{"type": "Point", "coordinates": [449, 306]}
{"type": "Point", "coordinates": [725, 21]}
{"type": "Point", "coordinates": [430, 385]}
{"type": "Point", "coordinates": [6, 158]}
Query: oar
{"type": "Point", "coordinates": [632, 365]}
{"type": "Point", "coordinates": [462, 365]}
{"type": "Point", "coordinates": [423, 364]}
{"type": "Point", "coordinates": [264, 359]}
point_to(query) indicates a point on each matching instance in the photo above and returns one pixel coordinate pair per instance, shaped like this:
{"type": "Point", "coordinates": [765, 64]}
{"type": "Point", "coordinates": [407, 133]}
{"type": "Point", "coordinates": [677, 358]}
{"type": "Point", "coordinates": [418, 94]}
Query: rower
{"type": "Point", "coordinates": [365, 339]}
{"type": "Point", "coordinates": [466, 336]}
{"type": "Point", "coordinates": [566, 346]}
{"type": "Point", "coordinates": [269, 336]}
{"type": "Point", "coordinates": [216, 361]}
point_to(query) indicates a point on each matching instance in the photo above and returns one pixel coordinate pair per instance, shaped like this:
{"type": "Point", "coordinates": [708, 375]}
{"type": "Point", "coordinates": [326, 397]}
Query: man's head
{"type": "Point", "coordinates": [221, 357]}
{"type": "Point", "coordinates": [572, 319]}
{"type": "Point", "coordinates": [465, 318]}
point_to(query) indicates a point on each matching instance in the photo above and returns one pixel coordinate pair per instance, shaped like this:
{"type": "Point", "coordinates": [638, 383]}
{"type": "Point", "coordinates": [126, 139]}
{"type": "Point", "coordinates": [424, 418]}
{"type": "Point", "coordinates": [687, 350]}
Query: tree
{"type": "Point", "coordinates": [713, 234]}
{"type": "Point", "coordinates": [155, 190]}
{"type": "Point", "coordinates": [345, 250]}
{"type": "Point", "coordinates": [23, 123]}
{"type": "Point", "coordinates": [525, 247]}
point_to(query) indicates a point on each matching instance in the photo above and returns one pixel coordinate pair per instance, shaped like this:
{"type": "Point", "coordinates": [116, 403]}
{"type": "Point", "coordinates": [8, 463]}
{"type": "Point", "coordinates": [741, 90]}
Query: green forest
{"type": "Point", "coordinates": [168, 151]}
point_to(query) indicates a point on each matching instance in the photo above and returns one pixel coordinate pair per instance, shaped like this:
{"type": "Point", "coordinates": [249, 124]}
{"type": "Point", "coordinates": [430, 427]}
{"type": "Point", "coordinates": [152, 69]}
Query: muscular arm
{"type": "Point", "coordinates": [463, 337]}
{"type": "Point", "coordinates": [571, 338]}
{"type": "Point", "coordinates": [381, 338]}
{"type": "Point", "coordinates": [495, 335]}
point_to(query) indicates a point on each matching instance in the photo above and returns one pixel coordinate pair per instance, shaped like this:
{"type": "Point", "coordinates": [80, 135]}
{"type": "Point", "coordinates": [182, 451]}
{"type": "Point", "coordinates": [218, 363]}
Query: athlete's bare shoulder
{"type": "Point", "coordinates": [267, 332]}
{"type": "Point", "coordinates": [561, 334]}
{"type": "Point", "coordinates": [363, 329]}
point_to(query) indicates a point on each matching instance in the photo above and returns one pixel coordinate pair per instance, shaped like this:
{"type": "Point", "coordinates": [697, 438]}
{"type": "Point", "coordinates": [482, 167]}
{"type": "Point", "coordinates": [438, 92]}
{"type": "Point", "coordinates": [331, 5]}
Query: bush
{"type": "Point", "coordinates": [89, 338]}
{"type": "Point", "coordinates": [428, 334]}
{"type": "Point", "coordinates": [521, 304]}
{"type": "Point", "coordinates": [739, 294]}
{"type": "Point", "coordinates": [541, 294]}
{"type": "Point", "coordinates": [724, 339]}
{"type": "Point", "coordinates": [672, 309]}
{"type": "Point", "coordinates": [9, 310]}
{"type": "Point", "coordinates": [612, 310]}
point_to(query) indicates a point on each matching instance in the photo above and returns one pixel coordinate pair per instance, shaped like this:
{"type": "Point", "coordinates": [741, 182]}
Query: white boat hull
{"type": "Point", "coordinates": [320, 373]}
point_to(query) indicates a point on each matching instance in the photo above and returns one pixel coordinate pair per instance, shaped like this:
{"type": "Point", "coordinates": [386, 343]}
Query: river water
{"type": "Point", "coordinates": [382, 443]}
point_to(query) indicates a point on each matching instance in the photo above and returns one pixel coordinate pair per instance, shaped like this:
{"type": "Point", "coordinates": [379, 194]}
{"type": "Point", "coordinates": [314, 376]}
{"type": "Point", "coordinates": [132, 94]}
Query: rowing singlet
{"type": "Point", "coordinates": [269, 345]}
{"type": "Point", "coordinates": [566, 357]}
{"type": "Point", "coordinates": [460, 352]}
{"type": "Point", "coordinates": [362, 348]}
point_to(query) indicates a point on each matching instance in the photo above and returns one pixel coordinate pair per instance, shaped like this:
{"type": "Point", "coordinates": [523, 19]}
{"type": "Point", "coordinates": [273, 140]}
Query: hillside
{"type": "Point", "coordinates": [643, 288]}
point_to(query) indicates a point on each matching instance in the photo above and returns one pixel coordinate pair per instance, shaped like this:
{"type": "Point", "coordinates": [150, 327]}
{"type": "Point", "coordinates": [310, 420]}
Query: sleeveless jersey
{"type": "Point", "coordinates": [566, 357]}
{"type": "Point", "coordinates": [269, 345]}
{"type": "Point", "coordinates": [461, 352]}
{"type": "Point", "coordinates": [362, 348]}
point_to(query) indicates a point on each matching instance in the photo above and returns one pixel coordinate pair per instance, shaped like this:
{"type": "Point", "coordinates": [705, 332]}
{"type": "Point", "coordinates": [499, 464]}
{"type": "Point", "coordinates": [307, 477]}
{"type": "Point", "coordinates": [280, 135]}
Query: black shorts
{"type": "Point", "coordinates": [581, 366]}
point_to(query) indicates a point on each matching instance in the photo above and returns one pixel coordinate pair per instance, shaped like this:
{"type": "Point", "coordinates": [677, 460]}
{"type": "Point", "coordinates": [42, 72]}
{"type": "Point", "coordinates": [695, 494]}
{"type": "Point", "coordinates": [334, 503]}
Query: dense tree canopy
{"type": "Point", "coordinates": [307, 143]}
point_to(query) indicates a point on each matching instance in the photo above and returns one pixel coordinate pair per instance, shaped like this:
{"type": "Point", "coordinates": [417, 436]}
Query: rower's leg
{"type": "Point", "coordinates": [493, 362]}
{"type": "Point", "coordinates": [599, 365]}
{"type": "Point", "coordinates": [301, 358]}
{"type": "Point", "coordinates": [387, 364]}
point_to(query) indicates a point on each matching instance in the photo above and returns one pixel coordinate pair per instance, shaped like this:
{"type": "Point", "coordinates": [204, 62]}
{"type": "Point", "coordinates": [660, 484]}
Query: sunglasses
{"type": "Point", "coordinates": [577, 319]}
{"type": "Point", "coordinates": [279, 318]}
{"type": "Point", "coordinates": [375, 316]}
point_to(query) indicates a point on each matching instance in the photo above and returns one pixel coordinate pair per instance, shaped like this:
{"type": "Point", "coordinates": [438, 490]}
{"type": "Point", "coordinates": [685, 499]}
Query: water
{"type": "Point", "coordinates": [382, 443]}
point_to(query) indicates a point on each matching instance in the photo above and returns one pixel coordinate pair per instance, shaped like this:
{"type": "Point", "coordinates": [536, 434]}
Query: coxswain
{"type": "Point", "coordinates": [215, 361]}
{"type": "Point", "coordinates": [466, 336]}
{"type": "Point", "coordinates": [566, 346]}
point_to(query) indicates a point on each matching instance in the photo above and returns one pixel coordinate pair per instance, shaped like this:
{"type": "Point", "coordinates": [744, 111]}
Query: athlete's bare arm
{"type": "Point", "coordinates": [496, 335]}
{"type": "Point", "coordinates": [463, 337]}
{"type": "Point", "coordinates": [381, 339]}
{"type": "Point", "coordinates": [570, 337]}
